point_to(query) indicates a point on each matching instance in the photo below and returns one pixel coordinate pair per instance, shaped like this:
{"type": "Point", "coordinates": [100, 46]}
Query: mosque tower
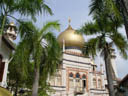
{"type": "Point", "coordinates": [114, 68]}
{"type": "Point", "coordinates": [6, 48]}
{"type": "Point", "coordinates": [11, 31]}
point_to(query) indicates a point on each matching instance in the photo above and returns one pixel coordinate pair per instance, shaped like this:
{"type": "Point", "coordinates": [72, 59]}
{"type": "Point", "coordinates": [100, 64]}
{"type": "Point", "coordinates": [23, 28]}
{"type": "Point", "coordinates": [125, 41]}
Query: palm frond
{"type": "Point", "coordinates": [47, 9]}
{"type": "Point", "coordinates": [90, 47]}
{"type": "Point", "coordinates": [26, 29]}
{"type": "Point", "coordinates": [49, 26]}
{"type": "Point", "coordinates": [89, 28]}
{"type": "Point", "coordinates": [112, 5]}
{"type": "Point", "coordinates": [121, 43]}
{"type": "Point", "coordinates": [96, 6]}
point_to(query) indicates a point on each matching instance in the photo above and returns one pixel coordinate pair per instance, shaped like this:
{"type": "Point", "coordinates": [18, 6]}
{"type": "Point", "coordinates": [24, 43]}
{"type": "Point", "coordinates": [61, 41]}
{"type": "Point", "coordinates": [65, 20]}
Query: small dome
{"type": "Point", "coordinates": [71, 38]}
{"type": "Point", "coordinates": [12, 24]}
{"type": "Point", "coordinates": [11, 31]}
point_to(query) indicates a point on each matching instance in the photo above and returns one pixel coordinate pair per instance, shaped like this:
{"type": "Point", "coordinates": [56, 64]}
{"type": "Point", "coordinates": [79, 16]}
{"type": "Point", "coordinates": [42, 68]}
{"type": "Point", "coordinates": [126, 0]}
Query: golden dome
{"type": "Point", "coordinates": [71, 38]}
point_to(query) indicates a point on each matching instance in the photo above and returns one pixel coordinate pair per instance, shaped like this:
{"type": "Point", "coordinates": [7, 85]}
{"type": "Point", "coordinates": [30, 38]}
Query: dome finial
{"type": "Point", "coordinates": [69, 20]}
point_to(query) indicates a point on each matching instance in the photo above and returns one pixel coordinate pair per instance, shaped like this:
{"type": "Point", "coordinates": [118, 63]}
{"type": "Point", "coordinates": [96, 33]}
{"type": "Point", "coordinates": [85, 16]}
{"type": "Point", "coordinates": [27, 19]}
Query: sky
{"type": "Point", "coordinates": [78, 11]}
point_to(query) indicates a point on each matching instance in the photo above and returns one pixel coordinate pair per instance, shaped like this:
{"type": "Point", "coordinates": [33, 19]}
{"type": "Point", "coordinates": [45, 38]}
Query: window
{"type": "Point", "coordinates": [58, 79]}
{"type": "Point", "coordinates": [77, 75]}
{"type": "Point", "coordinates": [99, 83]}
{"type": "Point", "coordinates": [70, 75]}
{"type": "Point", "coordinates": [94, 83]}
{"type": "Point", "coordinates": [71, 84]}
{"type": "Point", "coordinates": [78, 82]}
{"type": "Point", "coordinates": [84, 81]}
{"type": "Point", "coordinates": [83, 77]}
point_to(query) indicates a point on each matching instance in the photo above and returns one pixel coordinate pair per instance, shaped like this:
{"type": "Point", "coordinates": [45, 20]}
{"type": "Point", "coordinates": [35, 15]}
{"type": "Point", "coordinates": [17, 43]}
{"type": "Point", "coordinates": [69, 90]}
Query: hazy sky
{"type": "Point", "coordinates": [78, 11]}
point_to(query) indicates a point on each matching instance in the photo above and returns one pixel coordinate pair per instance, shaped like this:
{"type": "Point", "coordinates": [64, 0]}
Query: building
{"type": "Point", "coordinates": [77, 75]}
{"type": "Point", "coordinates": [6, 48]}
{"type": "Point", "coordinates": [122, 89]}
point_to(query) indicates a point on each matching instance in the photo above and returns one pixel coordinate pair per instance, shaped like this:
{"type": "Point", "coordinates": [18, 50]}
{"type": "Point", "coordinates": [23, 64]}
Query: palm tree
{"type": "Point", "coordinates": [29, 8]}
{"type": "Point", "coordinates": [40, 48]}
{"type": "Point", "coordinates": [106, 36]}
{"type": "Point", "coordinates": [122, 7]}
{"type": "Point", "coordinates": [118, 7]}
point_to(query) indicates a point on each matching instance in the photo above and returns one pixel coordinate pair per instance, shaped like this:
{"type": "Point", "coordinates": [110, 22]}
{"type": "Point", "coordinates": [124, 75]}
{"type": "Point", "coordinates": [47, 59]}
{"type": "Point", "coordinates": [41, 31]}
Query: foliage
{"type": "Point", "coordinates": [117, 8]}
{"type": "Point", "coordinates": [97, 6]}
{"type": "Point", "coordinates": [8, 8]}
{"type": "Point", "coordinates": [105, 28]}
{"type": "Point", "coordinates": [38, 49]}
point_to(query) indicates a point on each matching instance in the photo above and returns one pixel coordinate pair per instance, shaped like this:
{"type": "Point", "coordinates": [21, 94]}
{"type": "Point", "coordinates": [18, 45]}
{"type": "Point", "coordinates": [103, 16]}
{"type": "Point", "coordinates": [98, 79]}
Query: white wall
{"type": "Point", "coordinates": [5, 52]}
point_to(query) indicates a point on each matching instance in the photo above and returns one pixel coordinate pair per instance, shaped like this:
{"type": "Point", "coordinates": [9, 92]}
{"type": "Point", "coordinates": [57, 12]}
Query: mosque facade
{"type": "Point", "coordinates": [6, 48]}
{"type": "Point", "coordinates": [77, 75]}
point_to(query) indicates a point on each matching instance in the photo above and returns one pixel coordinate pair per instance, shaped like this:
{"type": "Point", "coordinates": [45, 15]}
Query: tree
{"type": "Point", "coordinates": [116, 7]}
{"type": "Point", "coordinates": [17, 81]}
{"type": "Point", "coordinates": [106, 36]}
{"type": "Point", "coordinates": [22, 7]}
{"type": "Point", "coordinates": [42, 49]}
{"type": "Point", "coordinates": [123, 9]}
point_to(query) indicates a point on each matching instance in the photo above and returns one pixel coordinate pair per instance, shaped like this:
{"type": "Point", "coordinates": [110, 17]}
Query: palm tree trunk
{"type": "Point", "coordinates": [16, 90]}
{"type": "Point", "coordinates": [107, 59]}
{"type": "Point", "coordinates": [124, 12]}
{"type": "Point", "coordinates": [36, 82]}
{"type": "Point", "coordinates": [125, 15]}
{"type": "Point", "coordinates": [3, 24]}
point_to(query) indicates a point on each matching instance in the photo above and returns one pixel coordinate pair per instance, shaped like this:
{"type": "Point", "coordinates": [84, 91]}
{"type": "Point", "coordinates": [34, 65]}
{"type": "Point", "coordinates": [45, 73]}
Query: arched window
{"type": "Point", "coordinates": [71, 84]}
{"type": "Point", "coordinates": [71, 75]}
{"type": "Point", "coordinates": [99, 83]}
{"type": "Point", "coordinates": [84, 77]}
{"type": "Point", "coordinates": [77, 75]}
{"type": "Point", "coordinates": [94, 83]}
{"type": "Point", "coordinates": [78, 81]}
{"type": "Point", "coordinates": [84, 81]}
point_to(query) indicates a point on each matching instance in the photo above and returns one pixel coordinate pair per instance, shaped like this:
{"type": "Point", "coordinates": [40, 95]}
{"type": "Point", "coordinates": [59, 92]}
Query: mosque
{"type": "Point", "coordinates": [78, 75]}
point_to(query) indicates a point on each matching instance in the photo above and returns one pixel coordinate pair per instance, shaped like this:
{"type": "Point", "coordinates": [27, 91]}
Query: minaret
{"type": "Point", "coordinates": [114, 68]}
{"type": "Point", "coordinates": [9, 36]}
{"type": "Point", "coordinates": [11, 31]}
